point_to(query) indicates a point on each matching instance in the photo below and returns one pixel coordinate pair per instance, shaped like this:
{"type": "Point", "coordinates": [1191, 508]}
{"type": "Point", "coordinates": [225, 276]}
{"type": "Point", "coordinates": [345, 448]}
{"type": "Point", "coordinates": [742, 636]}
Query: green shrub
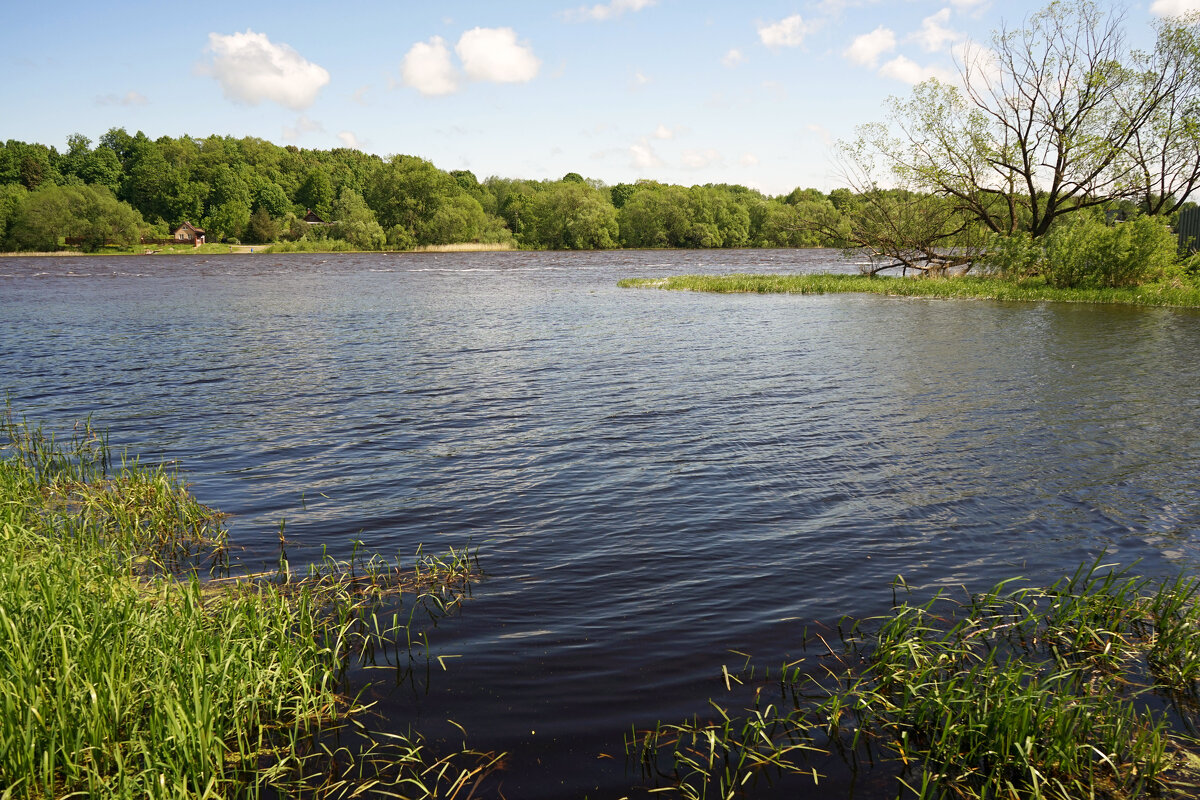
{"type": "Point", "coordinates": [1013, 257]}
{"type": "Point", "coordinates": [1088, 253]}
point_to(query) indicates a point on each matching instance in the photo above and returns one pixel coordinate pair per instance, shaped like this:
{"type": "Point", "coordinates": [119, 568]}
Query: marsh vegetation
{"type": "Point", "coordinates": [128, 670]}
{"type": "Point", "coordinates": [1086, 688]}
{"type": "Point", "coordinates": [1028, 290]}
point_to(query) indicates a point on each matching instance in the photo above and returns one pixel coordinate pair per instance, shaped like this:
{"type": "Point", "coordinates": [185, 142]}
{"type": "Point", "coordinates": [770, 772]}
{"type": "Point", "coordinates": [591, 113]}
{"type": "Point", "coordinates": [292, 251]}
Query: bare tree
{"type": "Point", "coordinates": [894, 220]}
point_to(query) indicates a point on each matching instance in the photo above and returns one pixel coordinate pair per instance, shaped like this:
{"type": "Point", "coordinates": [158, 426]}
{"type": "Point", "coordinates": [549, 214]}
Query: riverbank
{"type": "Point", "coordinates": [125, 672]}
{"type": "Point", "coordinates": [275, 247]}
{"type": "Point", "coordinates": [1177, 295]}
{"type": "Point", "coordinates": [146, 250]}
{"type": "Point", "coordinates": [1085, 688]}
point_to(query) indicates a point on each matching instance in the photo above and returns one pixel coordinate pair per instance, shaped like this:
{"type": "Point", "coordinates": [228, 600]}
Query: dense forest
{"type": "Point", "coordinates": [250, 190]}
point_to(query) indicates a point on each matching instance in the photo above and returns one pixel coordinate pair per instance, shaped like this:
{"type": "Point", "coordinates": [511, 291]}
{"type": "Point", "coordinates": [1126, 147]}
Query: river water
{"type": "Point", "coordinates": [653, 479]}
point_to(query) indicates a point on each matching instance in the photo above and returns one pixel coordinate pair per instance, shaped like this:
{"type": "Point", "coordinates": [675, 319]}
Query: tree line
{"type": "Point", "coordinates": [251, 190]}
{"type": "Point", "coordinates": [1060, 152]}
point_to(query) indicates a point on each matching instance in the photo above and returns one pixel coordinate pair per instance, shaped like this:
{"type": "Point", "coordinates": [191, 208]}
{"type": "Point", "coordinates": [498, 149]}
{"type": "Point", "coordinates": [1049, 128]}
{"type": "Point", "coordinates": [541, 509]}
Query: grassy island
{"type": "Point", "coordinates": [1175, 294]}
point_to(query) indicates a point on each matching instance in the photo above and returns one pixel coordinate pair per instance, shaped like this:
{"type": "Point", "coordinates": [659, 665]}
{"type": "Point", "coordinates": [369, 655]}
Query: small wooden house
{"type": "Point", "coordinates": [187, 232]}
{"type": "Point", "coordinates": [311, 218]}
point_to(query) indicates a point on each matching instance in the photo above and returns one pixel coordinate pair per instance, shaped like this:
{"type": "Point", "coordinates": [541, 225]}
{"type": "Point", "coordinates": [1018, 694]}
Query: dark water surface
{"type": "Point", "coordinates": [652, 479]}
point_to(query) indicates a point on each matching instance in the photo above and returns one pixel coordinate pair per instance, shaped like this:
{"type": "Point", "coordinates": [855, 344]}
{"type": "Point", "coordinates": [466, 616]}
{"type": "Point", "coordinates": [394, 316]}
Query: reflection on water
{"type": "Point", "coordinates": [653, 479]}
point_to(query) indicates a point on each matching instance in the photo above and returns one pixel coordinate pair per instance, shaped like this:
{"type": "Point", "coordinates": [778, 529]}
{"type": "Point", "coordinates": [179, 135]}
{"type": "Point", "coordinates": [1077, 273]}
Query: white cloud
{"type": "Point", "coordinates": [642, 155]}
{"type": "Point", "coordinates": [130, 98]}
{"type": "Point", "coordinates": [967, 5]}
{"type": "Point", "coordinates": [303, 125]}
{"type": "Point", "coordinates": [835, 8]}
{"type": "Point", "coordinates": [934, 35]}
{"type": "Point", "coordinates": [360, 95]}
{"type": "Point", "coordinates": [638, 81]}
{"type": "Point", "coordinates": [350, 140]}
{"type": "Point", "coordinates": [821, 131]}
{"type": "Point", "coordinates": [778, 90]}
{"type": "Point", "coordinates": [788, 32]}
{"type": "Point", "coordinates": [748, 160]}
{"type": "Point", "coordinates": [905, 69]}
{"type": "Point", "coordinates": [604, 11]}
{"type": "Point", "coordinates": [699, 159]}
{"type": "Point", "coordinates": [495, 55]}
{"type": "Point", "coordinates": [867, 49]}
{"type": "Point", "coordinates": [1173, 8]}
{"type": "Point", "coordinates": [976, 61]}
{"type": "Point", "coordinates": [733, 58]}
{"type": "Point", "coordinates": [428, 69]}
{"type": "Point", "coordinates": [663, 132]}
{"type": "Point", "coordinates": [251, 68]}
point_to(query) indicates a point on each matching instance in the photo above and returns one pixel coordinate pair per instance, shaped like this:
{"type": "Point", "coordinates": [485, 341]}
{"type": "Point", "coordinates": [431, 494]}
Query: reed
{"type": "Point", "coordinates": [1087, 688]}
{"type": "Point", "coordinates": [1177, 294]}
{"type": "Point", "coordinates": [125, 673]}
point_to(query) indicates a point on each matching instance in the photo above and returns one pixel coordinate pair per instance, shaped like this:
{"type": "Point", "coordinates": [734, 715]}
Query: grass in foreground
{"type": "Point", "coordinates": [964, 287]}
{"type": "Point", "coordinates": [1085, 689]}
{"type": "Point", "coordinates": [122, 674]}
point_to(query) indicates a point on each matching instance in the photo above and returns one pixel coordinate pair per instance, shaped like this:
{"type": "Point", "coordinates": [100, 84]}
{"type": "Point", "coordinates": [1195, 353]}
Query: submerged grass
{"type": "Point", "coordinates": [123, 674]}
{"type": "Point", "coordinates": [1086, 689]}
{"type": "Point", "coordinates": [959, 287]}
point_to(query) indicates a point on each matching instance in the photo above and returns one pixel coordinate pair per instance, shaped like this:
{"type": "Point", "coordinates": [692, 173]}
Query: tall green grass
{"type": "Point", "coordinates": [1177, 294]}
{"type": "Point", "coordinates": [124, 674]}
{"type": "Point", "coordinates": [1085, 689]}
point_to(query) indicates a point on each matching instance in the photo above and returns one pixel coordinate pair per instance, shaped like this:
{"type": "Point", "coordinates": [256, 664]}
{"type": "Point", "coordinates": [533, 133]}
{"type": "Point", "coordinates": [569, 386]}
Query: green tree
{"type": "Point", "coordinates": [92, 213]}
{"type": "Point", "coordinates": [841, 198]}
{"type": "Point", "coordinates": [459, 218]}
{"type": "Point", "coordinates": [655, 216]}
{"type": "Point", "coordinates": [408, 192]}
{"type": "Point", "coordinates": [12, 197]}
{"type": "Point", "coordinates": [227, 211]}
{"type": "Point", "coordinates": [269, 196]}
{"type": "Point", "coordinates": [119, 143]}
{"type": "Point", "coordinates": [316, 193]}
{"type": "Point", "coordinates": [261, 228]}
{"type": "Point", "coordinates": [574, 216]}
{"type": "Point", "coordinates": [182, 199]}
{"type": "Point", "coordinates": [30, 165]}
{"type": "Point", "coordinates": [517, 213]}
{"type": "Point", "coordinates": [144, 186]}
{"type": "Point", "coordinates": [621, 193]}
{"type": "Point", "coordinates": [467, 181]}
{"type": "Point", "coordinates": [716, 218]}
{"type": "Point", "coordinates": [355, 222]}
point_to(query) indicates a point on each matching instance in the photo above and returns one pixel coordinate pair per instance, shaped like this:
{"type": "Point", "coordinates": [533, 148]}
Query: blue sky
{"type": "Point", "coordinates": [674, 90]}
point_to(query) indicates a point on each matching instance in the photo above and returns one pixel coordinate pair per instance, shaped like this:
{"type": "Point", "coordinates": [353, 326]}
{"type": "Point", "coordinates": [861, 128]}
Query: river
{"type": "Point", "coordinates": [652, 479]}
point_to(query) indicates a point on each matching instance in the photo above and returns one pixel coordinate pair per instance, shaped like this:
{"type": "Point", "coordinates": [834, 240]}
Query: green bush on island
{"type": "Point", "coordinates": [1086, 252]}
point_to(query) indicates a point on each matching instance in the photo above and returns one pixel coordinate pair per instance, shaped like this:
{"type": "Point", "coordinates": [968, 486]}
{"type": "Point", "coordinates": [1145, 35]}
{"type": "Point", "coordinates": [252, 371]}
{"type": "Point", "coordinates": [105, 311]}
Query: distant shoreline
{"type": "Point", "coordinates": [217, 249]}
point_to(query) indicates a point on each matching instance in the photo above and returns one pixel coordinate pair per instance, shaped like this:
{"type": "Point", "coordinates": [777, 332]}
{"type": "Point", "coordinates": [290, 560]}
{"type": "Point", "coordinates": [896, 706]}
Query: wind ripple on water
{"type": "Point", "coordinates": [653, 478]}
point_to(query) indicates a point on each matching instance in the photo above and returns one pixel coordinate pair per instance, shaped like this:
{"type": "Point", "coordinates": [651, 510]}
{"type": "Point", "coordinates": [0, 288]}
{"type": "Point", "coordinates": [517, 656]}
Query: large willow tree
{"type": "Point", "coordinates": [1057, 115]}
